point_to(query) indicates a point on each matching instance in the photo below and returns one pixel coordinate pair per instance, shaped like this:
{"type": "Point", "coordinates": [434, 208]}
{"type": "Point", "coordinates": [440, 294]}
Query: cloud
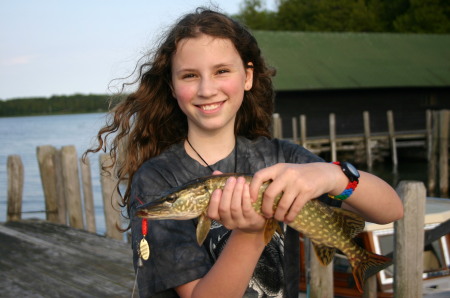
{"type": "Point", "coordinates": [18, 60]}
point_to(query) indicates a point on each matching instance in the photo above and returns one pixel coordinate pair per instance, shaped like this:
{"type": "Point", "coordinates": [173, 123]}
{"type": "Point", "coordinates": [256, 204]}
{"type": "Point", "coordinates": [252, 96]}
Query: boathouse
{"type": "Point", "coordinates": [348, 73]}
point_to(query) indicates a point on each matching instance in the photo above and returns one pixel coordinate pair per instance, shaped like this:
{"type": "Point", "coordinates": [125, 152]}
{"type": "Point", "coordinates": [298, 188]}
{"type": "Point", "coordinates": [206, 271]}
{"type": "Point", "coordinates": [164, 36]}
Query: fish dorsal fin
{"type": "Point", "coordinates": [325, 254]}
{"type": "Point", "coordinates": [352, 223]}
{"type": "Point", "coordinates": [203, 227]}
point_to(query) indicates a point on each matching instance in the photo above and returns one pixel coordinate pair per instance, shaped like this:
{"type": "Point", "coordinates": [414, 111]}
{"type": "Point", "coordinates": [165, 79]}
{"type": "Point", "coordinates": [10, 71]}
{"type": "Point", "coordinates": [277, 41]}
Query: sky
{"type": "Point", "coordinates": [63, 47]}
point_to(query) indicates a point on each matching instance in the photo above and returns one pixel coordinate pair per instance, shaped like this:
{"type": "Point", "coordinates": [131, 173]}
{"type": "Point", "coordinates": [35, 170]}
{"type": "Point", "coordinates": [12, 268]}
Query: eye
{"type": "Point", "coordinates": [222, 71]}
{"type": "Point", "coordinates": [188, 76]}
{"type": "Point", "coordinates": [171, 199]}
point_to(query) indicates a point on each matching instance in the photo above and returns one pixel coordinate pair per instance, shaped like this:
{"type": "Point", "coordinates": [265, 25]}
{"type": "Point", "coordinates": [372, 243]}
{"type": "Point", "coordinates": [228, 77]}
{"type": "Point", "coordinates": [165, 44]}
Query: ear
{"type": "Point", "coordinates": [248, 76]}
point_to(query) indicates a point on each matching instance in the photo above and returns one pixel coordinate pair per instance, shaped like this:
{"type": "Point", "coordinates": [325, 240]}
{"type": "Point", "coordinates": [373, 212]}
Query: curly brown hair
{"type": "Point", "coordinates": [149, 120]}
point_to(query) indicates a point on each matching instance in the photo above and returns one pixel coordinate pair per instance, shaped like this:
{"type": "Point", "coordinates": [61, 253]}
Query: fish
{"type": "Point", "coordinates": [328, 228]}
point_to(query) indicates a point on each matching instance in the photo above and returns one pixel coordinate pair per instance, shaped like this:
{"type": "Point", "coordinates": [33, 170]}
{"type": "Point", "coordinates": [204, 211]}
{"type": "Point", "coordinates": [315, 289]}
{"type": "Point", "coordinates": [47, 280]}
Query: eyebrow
{"type": "Point", "coordinates": [220, 65]}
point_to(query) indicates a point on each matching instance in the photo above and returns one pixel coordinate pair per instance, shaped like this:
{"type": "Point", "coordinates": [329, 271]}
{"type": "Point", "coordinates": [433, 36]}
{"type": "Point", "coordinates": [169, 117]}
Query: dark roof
{"type": "Point", "coordinates": [308, 61]}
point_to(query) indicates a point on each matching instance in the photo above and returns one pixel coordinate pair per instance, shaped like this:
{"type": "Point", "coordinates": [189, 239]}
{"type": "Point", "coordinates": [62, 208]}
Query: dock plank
{"type": "Point", "coordinates": [41, 259]}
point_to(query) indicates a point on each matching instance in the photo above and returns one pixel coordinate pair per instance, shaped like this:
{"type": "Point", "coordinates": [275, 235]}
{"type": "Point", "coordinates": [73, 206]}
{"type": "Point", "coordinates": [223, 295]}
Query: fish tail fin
{"type": "Point", "coordinates": [368, 266]}
{"type": "Point", "coordinates": [325, 254]}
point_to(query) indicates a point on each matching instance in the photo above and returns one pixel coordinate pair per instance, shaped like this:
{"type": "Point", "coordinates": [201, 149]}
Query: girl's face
{"type": "Point", "coordinates": [208, 81]}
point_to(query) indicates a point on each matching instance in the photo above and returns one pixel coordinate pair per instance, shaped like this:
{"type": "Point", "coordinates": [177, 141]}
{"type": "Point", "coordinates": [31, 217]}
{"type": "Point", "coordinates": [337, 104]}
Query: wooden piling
{"type": "Point", "coordinates": [59, 183]}
{"type": "Point", "coordinates": [392, 140]}
{"type": "Point", "coordinates": [294, 130]}
{"type": "Point", "coordinates": [303, 130]}
{"type": "Point", "coordinates": [277, 126]}
{"type": "Point", "coordinates": [15, 187]}
{"type": "Point", "coordinates": [321, 278]}
{"type": "Point", "coordinates": [110, 199]}
{"type": "Point", "coordinates": [88, 195]}
{"type": "Point", "coordinates": [367, 141]}
{"type": "Point", "coordinates": [45, 156]}
{"type": "Point", "coordinates": [332, 122]}
{"type": "Point", "coordinates": [71, 183]}
{"type": "Point", "coordinates": [409, 240]}
{"type": "Point", "coordinates": [433, 144]}
{"type": "Point", "coordinates": [443, 152]}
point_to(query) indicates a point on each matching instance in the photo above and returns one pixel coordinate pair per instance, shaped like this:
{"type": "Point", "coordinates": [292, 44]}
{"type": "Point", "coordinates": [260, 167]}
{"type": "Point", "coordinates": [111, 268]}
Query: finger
{"type": "Point", "coordinates": [247, 207]}
{"type": "Point", "coordinates": [216, 172]}
{"type": "Point", "coordinates": [258, 179]}
{"type": "Point", "coordinates": [236, 201]}
{"type": "Point", "coordinates": [213, 208]}
{"type": "Point", "coordinates": [284, 206]}
{"type": "Point", "coordinates": [225, 201]}
{"type": "Point", "coordinates": [272, 191]}
{"type": "Point", "coordinates": [295, 209]}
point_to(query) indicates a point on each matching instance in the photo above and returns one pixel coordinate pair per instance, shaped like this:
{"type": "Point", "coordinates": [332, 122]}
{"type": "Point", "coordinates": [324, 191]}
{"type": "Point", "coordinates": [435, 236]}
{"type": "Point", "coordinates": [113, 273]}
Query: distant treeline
{"type": "Point", "coordinates": [58, 104]}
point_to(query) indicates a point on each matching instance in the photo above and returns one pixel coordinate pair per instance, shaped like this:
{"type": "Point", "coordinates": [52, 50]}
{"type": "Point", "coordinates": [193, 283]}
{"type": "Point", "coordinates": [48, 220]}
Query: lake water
{"type": "Point", "coordinates": [22, 135]}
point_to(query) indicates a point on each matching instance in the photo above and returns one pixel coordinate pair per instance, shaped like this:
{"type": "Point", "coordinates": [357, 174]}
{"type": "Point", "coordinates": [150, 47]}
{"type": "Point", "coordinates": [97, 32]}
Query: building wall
{"type": "Point", "coordinates": [408, 104]}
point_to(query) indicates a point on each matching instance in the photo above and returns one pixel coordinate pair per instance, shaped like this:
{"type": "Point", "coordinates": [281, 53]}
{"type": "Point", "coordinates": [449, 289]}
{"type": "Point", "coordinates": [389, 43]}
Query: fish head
{"type": "Point", "coordinates": [181, 203]}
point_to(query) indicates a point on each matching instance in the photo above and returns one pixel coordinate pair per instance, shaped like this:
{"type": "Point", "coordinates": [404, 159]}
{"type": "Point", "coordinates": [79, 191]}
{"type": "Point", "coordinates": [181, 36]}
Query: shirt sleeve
{"type": "Point", "coordinates": [175, 257]}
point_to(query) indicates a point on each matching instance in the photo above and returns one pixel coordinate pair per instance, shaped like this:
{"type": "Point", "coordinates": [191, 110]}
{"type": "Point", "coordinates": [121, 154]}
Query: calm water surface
{"type": "Point", "coordinates": [22, 135]}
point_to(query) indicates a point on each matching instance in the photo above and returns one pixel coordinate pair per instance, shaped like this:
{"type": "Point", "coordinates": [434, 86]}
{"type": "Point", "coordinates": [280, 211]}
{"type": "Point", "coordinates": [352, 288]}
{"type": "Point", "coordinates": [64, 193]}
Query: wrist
{"type": "Point", "coordinates": [351, 175]}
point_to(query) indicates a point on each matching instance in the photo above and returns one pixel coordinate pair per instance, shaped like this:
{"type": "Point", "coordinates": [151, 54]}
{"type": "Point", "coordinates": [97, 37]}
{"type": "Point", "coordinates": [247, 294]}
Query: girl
{"type": "Point", "coordinates": [203, 106]}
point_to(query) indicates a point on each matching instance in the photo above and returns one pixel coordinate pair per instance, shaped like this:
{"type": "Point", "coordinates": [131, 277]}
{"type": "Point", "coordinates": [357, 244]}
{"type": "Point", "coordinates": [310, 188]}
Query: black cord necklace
{"type": "Point", "coordinates": [209, 167]}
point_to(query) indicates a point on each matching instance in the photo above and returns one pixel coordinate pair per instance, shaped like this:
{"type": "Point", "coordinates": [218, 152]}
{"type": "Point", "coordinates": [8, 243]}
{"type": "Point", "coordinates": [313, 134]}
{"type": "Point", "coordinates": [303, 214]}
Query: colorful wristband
{"type": "Point", "coordinates": [348, 191]}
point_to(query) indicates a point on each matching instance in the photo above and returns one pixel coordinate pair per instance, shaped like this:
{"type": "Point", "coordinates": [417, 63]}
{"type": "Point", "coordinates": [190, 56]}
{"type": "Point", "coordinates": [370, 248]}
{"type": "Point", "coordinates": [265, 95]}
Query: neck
{"type": "Point", "coordinates": [210, 148]}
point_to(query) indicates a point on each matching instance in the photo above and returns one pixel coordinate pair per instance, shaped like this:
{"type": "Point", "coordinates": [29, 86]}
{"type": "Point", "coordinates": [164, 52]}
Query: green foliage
{"type": "Point", "coordinates": [420, 16]}
{"type": "Point", "coordinates": [58, 104]}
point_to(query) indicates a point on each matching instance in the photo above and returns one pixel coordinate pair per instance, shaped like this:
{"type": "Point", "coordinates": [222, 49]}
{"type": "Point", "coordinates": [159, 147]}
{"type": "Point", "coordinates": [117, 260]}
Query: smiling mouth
{"type": "Point", "coordinates": [210, 107]}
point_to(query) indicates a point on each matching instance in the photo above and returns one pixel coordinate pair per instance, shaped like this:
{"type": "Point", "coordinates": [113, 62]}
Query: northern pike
{"type": "Point", "coordinates": [328, 228]}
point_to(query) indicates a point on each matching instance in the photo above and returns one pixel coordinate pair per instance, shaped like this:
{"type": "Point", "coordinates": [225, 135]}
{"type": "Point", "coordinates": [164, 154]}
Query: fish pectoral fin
{"type": "Point", "coordinates": [203, 227]}
{"type": "Point", "coordinates": [271, 227]}
{"type": "Point", "coordinates": [325, 254]}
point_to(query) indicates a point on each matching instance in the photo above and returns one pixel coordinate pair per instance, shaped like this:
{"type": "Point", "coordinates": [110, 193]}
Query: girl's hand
{"type": "Point", "coordinates": [233, 207]}
{"type": "Point", "coordinates": [299, 183]}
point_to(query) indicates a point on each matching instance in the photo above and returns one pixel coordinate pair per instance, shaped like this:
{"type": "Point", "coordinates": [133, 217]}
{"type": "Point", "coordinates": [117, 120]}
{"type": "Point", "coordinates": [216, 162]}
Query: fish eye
{"type": "Point", "coordinates": [171, 198]}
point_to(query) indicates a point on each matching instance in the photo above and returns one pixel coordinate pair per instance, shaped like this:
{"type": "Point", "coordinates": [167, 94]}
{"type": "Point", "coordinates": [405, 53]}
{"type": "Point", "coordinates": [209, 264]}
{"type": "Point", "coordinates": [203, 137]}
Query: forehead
{"type": "Point", "coordinates": [204, 46]}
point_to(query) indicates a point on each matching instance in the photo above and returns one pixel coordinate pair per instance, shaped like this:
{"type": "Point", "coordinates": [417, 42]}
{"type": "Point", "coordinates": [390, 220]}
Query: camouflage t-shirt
{"type": "Point", "coordinates": [176, 258]}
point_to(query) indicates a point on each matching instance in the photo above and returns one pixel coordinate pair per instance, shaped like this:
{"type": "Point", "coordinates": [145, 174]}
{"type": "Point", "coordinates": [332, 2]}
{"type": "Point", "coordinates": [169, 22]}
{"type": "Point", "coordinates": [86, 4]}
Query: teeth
{"type": "Point", "coordinates": [209, 107]}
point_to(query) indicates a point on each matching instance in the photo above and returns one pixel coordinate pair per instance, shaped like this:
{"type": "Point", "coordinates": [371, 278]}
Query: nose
{"type": "Point", "coordinates": [207, 87]}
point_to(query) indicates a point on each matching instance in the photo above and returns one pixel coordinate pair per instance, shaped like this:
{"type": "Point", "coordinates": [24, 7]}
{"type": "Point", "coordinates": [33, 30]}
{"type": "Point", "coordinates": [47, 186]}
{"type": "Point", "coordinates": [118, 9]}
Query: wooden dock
{"type": "Point", "coordinates": [42, 259]}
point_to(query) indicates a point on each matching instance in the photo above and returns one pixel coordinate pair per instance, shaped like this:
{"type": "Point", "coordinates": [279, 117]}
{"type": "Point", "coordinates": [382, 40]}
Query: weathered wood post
{"type": "Point", "coordinates": [45, 156]}
{"type": "Point", "coordinates": [367, 142]}
{"type": "Point", "coordinates": [15, 187]}
{"type": "Point", "coordinates": [332, 122]}
{"type": "Point", "coordinates": [88, 194]}
{"type": "Point", "coordinates": [71, 183]}
{"type": "Point", "coordinates": [370, 288]}
{"type": "Point", "coordinates": [59, 183]}
{"type": "Point", "coordinates": [321, 278]}
{"type": "Point", "coordinates": [409, 240]}
{"type": "Point", "coordinates": [392, 140]}
{"type": "Point", "coordinates": [432, 148]}
{"type": "Point", "coordinates": [277, 126]}
{"type": "Point", "coordinates": [294, 130]}
{"type": "Point", "coordinates": [303, 130]}
{"type": "Point", "coordinates": [443, 152]}
{"type": "Point", "coordinates": [110, 198]}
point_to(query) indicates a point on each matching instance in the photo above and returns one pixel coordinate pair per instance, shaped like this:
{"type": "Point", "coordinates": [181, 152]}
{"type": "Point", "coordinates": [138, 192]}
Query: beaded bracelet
{"type": "Point", "coordinates": [348, 191]}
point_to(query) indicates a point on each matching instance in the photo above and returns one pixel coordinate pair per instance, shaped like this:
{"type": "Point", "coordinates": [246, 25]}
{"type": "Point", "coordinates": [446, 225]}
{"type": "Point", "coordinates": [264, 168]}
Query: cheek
{"type": "Point", "coordinates": [183, 93]}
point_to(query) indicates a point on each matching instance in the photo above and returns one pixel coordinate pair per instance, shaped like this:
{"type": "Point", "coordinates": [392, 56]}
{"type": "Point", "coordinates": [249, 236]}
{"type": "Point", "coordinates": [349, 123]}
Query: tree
{"type": "Point", "coordinates": [424, 16]}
